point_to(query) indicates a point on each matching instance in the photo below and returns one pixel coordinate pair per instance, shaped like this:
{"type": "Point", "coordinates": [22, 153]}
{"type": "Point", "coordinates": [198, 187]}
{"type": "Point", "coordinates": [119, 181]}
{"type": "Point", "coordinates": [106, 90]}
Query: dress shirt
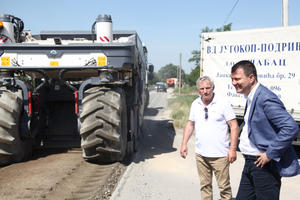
{"type": "Point", "coordinates": [246, 146]}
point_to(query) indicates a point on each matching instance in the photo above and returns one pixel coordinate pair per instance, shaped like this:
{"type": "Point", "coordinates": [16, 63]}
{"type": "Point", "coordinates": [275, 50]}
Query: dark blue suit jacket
{"type": "Point", "coordinates": [272, 129]}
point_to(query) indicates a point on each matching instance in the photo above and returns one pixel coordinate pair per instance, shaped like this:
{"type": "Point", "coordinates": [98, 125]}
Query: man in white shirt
{"type": "Point", "coordinates": [210, 116]}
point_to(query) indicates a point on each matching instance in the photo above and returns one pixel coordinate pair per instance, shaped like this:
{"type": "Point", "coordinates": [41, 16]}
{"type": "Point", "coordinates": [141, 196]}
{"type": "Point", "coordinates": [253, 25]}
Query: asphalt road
{"type": "Point", "coordinates": [159, 173]}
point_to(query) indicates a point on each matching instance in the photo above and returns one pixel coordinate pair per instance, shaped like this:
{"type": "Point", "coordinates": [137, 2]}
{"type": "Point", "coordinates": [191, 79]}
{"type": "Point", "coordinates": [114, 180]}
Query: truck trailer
{"type": "Point", "coordinates": [65, 89]}
{"type": "Point", "coordinates": [274, 51]}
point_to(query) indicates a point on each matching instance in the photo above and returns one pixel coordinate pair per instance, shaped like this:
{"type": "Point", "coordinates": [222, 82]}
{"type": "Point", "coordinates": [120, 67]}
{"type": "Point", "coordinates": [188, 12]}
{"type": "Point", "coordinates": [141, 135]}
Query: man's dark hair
{"type": "Point", "coordinates": [247, 66]}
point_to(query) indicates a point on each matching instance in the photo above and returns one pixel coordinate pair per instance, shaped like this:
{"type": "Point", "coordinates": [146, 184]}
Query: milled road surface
{"type": "Point", "coordinates": [59, 175]}
{"type": "Point", "coordinates": [159, 173]}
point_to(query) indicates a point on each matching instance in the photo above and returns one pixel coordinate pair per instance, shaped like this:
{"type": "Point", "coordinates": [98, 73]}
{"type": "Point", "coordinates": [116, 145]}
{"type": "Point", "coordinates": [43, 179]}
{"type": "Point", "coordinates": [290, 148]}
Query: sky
{"type": "Point", "coordinates": [167, 27]}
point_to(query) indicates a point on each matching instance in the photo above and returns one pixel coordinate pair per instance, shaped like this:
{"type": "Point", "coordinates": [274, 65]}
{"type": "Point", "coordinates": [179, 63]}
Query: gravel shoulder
{"type": "Point", "coordinates": [157, 170]}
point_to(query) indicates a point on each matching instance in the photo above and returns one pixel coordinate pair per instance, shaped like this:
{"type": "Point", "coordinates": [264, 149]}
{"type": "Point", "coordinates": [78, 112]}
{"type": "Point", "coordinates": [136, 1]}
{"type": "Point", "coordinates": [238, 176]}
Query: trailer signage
{"type": "Point", "coordinates": [274, 51]}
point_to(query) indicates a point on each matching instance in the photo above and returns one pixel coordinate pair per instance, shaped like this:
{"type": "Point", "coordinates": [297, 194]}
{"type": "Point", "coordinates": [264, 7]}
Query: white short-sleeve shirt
{"type": "Point", "coordinates": [212, 136]}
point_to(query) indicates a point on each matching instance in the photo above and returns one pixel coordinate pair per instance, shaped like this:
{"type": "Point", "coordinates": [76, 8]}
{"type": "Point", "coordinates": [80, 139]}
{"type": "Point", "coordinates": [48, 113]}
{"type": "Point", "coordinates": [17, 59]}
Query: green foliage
{"type": "Point", "coordinates": [206, 30]}
{"type": "Point", "coordinates": [170, 71]}
{"type": "Point", "coordinates": [180, 109]}
{"type": "Point", "coordinates": [226, 27]}
{"type": "Point", "coordinates": [195, 58]}
{"type": "Point", "coordinates": [193, 76]}
{"type": "Point", "coordinates": [187, 90]}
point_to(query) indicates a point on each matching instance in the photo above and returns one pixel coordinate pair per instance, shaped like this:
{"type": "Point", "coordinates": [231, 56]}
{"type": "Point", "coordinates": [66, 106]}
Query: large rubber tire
{"type": "Point", "coordinates": [104, 124]}
{"type": "Point", "coordinates": [12, 148]}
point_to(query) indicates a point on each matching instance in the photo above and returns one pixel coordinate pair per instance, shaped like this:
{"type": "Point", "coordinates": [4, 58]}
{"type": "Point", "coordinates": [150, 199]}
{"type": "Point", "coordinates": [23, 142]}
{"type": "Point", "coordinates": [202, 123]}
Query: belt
{"type": "Point", "coordinates": [250, 157]}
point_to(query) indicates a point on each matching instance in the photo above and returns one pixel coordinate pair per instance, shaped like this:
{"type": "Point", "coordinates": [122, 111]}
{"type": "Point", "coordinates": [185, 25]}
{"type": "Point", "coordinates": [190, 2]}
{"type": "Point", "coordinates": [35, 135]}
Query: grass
{"type": "Point", "coordinates": [186, 90]}
{"type": "Point", "coordinates": [180, 106]}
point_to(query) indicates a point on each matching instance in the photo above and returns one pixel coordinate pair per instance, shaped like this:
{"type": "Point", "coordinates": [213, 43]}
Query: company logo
{"type": "Point", "coordinates": [53, 53]}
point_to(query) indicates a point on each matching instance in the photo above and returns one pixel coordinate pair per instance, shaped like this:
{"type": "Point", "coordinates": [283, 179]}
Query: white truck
{"type": "Point", "coordinates": [69, 89]}
{"type": "Point", "coordinates": [275, 53]}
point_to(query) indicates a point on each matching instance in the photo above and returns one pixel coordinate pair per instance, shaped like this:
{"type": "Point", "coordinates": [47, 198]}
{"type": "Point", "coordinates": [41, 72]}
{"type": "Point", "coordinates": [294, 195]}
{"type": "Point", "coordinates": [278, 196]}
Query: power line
{"type": "Point", "coordinates": [231, 11]}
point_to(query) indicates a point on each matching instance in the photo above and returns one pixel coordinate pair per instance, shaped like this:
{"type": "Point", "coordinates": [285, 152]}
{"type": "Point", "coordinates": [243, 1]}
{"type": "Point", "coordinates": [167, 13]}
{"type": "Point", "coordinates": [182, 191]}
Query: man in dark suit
{"type": "Point", "coordinates": [266, 138]}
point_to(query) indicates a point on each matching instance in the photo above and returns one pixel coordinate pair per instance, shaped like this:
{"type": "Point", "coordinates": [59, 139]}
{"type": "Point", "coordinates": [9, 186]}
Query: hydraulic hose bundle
{"type": "Point", "coordinates": [11, 28]}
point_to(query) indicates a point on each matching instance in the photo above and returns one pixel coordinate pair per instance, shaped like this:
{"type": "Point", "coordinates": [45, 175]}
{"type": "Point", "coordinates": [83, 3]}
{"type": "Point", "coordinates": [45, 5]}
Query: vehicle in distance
{"type": "Point", "coordinates": [160, 87]}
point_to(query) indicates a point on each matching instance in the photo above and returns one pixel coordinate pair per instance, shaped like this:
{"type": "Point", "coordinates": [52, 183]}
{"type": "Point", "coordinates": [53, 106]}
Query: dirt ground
{"type": "Point", "coordinates": [59, 175]}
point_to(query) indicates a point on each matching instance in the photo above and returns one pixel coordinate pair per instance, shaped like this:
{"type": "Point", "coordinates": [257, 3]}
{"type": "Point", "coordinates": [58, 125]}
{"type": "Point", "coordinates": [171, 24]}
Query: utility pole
{"type": "Point", "coordinates": [179, 83]}
{"type": "Point", "coordinates": [285, 13]}
{"type": "Point", "coordinates": [177, 76]}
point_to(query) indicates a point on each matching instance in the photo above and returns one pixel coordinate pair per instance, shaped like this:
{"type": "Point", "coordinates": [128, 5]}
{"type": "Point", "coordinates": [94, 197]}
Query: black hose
{"type": "Point", "coordinates": [93, 31]}
{"type": "Point", "coordinates": [18, 28]}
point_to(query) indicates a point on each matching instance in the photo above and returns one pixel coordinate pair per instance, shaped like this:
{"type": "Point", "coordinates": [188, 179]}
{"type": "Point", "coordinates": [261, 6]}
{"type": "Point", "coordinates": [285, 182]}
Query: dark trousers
{"type": "Point", "coordinates": [259, 183]}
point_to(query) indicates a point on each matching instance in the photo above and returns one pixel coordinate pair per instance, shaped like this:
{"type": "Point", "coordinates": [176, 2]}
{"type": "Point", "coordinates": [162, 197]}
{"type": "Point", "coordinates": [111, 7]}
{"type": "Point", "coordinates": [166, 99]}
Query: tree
{"type": "Point", "coordinates": [224, 28]}
{"type": "Point", "coordinates": [206, 29]}
{"type": "Point", "coordinates": [193, 76]}
{"type": "Point", "coordinates": [168, 71]}
{"type": "Point", "coordinates": [195, 58]}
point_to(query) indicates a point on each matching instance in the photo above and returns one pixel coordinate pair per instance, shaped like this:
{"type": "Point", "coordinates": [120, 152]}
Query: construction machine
{"type": "Point", "coordinates": [65, 89]}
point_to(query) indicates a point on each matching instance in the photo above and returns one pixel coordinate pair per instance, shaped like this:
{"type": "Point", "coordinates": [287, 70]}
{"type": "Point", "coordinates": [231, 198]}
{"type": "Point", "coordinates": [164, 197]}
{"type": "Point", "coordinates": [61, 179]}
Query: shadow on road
{"type": "Point", "coordinates": [44, 152]}
{"type": "Point", "coordinates": [158, 138]}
